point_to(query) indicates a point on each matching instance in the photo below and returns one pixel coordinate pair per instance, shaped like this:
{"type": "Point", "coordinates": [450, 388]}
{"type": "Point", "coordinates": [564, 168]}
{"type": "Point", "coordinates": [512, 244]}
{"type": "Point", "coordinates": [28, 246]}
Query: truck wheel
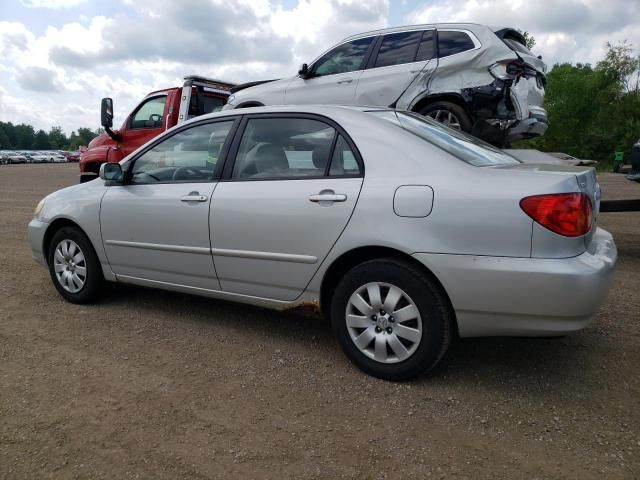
{"type": "Point", "coordinates": [391, 319]}
{"type": "Point", "coordinates": [74, 266]}
{"type": "Point", "coordinates": [449, 113]}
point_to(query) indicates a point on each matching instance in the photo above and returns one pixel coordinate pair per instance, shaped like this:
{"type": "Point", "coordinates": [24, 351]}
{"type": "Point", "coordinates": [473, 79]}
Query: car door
{"type": "Point", "coordinates": [282, 203]}
{"type": "Point", "coordinates": [400, 59]}
{"type": "Point", "coordinates": [145, 123]}
{"type": "Point", "coordinates": [156, 225]}
{"type": "Point", "coordinates": [333, 78]}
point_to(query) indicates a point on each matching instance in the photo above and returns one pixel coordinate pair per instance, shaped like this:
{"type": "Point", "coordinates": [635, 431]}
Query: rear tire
{"type": "Point", "coordinates": [450, 114]}
{"type": "Point", "coordinates": [74, 267]}
{"type": "Point", "coordinates": [403, 328]}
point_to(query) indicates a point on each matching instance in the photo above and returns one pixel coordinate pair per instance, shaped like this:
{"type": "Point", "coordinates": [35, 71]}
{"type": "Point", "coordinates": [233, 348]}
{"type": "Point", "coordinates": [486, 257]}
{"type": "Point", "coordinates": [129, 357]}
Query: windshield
{"type": "Point", "coordinates": [465, 147]}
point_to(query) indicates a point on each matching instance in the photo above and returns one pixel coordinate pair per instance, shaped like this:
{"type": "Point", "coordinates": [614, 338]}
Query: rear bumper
{"type": "Point", "coordinates": [534, 126]}
{"type": "Point", "coordinates": [501, 296]}
{"type": "Point", "coordinates": [35, 234]}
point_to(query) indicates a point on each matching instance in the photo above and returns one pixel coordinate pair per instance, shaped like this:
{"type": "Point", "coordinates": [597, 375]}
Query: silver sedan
{"type": "Point", "coordinates": [403, 232]}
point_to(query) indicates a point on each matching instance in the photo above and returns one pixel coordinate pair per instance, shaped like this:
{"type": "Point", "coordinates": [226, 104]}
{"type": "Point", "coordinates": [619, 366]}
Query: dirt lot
{"type": "Point", "coordinates": [149, 384]}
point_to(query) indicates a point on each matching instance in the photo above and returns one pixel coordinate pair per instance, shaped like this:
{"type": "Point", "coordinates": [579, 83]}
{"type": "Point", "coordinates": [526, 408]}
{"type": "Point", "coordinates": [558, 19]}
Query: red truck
{"type": "Point", "coordinates": [157, 112]}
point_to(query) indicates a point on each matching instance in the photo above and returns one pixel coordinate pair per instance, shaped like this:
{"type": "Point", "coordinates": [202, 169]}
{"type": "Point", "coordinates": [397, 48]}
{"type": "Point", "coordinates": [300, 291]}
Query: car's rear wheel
{"type": "Point", "coordinates": [392, 320]}
{"type": "Point", "coordinates": [450, 114]}
{"type": "Point", "coordinates": [74, 266]}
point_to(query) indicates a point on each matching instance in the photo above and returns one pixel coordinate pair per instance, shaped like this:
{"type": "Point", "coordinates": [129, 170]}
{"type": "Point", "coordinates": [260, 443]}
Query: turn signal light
{"type": "Point", "coordinates": [567, 214]}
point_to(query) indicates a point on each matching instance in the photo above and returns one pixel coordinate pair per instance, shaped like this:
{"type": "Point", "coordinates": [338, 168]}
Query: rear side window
{"type": "Point", "coordinates": [398, 48]}
{"type": "Point", "coordinates": [426, 50]}
{"type": "Point", "coordinates": [343, 161]}
{"type": "Point", "coordinates": [450, 43]}
{"type": "Point", "coordinates": [465, 147]}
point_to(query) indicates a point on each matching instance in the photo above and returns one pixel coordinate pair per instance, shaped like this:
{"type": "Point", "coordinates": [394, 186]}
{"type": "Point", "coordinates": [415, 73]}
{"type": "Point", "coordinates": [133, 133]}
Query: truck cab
{"type": "Point", "coordinates": [157, 112]}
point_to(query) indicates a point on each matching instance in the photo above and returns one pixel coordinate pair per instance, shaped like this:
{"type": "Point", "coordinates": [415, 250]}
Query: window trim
{"type": "Point", "coordinates": [142, 104]}
{"type": "Point", "coordinates": [363, 64]}
{"type": "Point", "coordinates": [232, 154]}
{"type": "Point", "coordinates": [217, 172]}
{"type": "Point", "coordinates": [470, 34]}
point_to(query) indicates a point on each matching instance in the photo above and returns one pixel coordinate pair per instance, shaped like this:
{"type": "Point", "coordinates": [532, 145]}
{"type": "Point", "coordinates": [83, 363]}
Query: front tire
{"type": "Point", "coordinates": [74, 266]}
{"type": "Point", "coordinates": [392, 320]}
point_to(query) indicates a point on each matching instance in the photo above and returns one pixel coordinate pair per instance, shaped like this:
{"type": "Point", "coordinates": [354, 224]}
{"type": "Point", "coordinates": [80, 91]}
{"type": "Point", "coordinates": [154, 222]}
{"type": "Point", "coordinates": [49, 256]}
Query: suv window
{"type": "Point", "coordinates": [188, 156]}
{"type": "Point", "coordinates": [450, 43]}
{"type": "Point", "coordinates": [398, 48]}
{"type": "Point", "coordinates": [426, 50]}
{"type": "Point", "coordinates": [347, 57]}
{"type": "Point", "coordinates": [149, 114]}
{"type": "Point", "coordinates": [283, 148]}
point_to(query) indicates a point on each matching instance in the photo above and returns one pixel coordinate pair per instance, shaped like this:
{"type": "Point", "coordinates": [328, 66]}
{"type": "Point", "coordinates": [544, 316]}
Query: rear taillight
{"type": "Point", "coordinates": [567, 214]}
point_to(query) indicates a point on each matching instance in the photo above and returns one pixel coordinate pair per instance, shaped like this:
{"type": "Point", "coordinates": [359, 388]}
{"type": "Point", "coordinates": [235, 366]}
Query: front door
{"type": "Point", "coordinates": [333, 78]}
{"type": "Point", "coordinates": [283, 203]}
{"type": "Point", "coordinates": [156, 225]}
{"type": "Point", "coordinates": [145, 123]}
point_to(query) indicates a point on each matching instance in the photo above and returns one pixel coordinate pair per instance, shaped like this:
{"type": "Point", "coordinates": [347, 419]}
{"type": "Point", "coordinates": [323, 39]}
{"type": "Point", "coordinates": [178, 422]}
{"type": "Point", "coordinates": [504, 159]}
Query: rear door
{"type": "Point", "coordinates": [282, 203]}
{"type": "Point", "coordinates": [399, 60]}
{"type": "Point", "coordinates": [333, 77]}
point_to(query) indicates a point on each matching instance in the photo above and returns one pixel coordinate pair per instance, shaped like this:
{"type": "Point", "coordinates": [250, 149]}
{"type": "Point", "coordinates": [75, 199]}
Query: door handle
{"type": "Point", "coordinates": [328, 197]}
{"type": "Point", "coordinates": [194, 197]}
{"type": "Point", "coordinates": [348, 80]}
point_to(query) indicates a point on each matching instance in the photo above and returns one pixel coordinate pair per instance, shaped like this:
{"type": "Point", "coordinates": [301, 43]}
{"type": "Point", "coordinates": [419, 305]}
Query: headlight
{"type": "Point", "coordinates": [39, 207]}
{"type": "Point", "coordinates": [231, 99]}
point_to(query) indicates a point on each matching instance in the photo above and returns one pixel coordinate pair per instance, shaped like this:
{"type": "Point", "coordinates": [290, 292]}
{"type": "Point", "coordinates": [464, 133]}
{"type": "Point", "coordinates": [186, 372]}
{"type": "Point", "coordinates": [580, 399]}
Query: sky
{"type": "Point", "coordinates": [58, 58]}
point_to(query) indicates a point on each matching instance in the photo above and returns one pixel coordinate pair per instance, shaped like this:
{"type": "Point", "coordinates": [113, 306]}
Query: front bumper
{"type": "Point", "coordinates": [503, 296]}
{"type": "Point", "coordinates": [35, 234]}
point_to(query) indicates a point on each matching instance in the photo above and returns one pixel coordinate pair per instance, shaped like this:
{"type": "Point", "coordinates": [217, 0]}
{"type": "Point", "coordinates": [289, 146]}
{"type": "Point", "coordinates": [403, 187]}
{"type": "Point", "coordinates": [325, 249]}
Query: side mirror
{"type": "Point", "coordinates": [111, 172]}
{"type": "Point", "coordinates": [106, 113]}
{"type": "Point", "coordinates": [304, 71]}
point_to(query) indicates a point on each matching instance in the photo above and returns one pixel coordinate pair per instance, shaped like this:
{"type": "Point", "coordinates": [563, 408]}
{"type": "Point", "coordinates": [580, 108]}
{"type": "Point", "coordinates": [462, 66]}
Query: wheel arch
{"type": "Point", "coordinates": [442, 97]}
{"type": "Point", "coordinates": [351, 258]}
{"type": "Point", "coordinates": [53, 227]}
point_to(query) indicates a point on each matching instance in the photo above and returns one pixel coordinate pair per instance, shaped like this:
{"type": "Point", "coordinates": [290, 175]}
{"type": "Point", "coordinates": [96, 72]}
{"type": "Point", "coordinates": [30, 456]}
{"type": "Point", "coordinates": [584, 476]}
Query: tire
{"type": "Point", "coordinates": [434, 320]}
{"type": "Point", "coordinates": [461, 118]}
{"type": "Point", "coordinates": [84, 290]}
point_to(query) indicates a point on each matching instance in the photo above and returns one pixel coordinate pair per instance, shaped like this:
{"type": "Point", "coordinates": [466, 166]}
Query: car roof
{"type": "Point", "coordinates": [466, 26]}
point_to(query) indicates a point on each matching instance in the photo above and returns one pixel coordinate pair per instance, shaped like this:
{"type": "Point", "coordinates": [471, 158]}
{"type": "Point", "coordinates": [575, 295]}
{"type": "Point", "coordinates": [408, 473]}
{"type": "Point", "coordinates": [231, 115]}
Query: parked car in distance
{"type": "Point", "coordinates": [157, 112]}
{"type": "Point", "coordinates": [291, 206]}
{"type": "Point", "coordinates": [39, 157]}
{"type": "Point", "coordinates": [72, 156]}
{"type": "Point", "coordinates": [471, 77]}
{"type": "Point", "coordinates": [14, 157]}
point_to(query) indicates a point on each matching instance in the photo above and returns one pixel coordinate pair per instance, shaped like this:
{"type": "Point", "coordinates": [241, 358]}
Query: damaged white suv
{"type": "Point", "coordinates": [475, 78]}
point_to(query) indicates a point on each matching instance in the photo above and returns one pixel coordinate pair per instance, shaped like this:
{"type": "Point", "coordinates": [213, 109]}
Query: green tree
{"type": "Point", "coordinates": [529, 41]}
{"type": "Point", "coordinates": [57, 138]}
{"type": "Point", "coordinates": [5, 143]}
{"type": "Point", "coordinates": [41, 141]}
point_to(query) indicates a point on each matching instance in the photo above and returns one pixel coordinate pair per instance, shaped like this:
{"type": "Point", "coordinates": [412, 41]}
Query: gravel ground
{"type": "Point", "coordinates": [149, 384]}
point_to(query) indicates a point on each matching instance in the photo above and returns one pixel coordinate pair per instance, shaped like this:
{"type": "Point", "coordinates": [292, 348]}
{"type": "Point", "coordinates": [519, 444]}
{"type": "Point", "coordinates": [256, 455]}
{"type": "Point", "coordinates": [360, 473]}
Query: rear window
{"type": "Point", "coordinates": [465, 147]}
{"type": "Point", "coordinates": [451, 42]}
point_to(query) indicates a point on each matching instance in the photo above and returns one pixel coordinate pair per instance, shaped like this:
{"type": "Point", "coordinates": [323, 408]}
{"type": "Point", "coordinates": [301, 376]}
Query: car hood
{"type": "Point", "coordinates": [275, 87]}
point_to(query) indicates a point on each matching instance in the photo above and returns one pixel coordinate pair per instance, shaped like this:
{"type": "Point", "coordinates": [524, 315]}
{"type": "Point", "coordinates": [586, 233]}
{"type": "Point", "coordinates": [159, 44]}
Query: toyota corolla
{"type": "Point", "coordinates": [404, 232]}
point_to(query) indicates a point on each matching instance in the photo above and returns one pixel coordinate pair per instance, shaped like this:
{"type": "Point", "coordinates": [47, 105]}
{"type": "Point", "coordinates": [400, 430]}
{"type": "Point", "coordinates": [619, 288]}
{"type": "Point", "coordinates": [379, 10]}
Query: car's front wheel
{"type": "Point", "coordinates": [391, 319]}
{"type": "Point", "coordinates": [74, 266]}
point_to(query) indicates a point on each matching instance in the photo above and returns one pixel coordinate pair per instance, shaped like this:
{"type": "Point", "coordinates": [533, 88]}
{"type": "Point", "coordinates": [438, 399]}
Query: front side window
{"type": "Point", "coordinates": [451, 42]}
{"type": "Point", "coordinates": [459, 144]}
{"type": "Point", "coordinates": [398, 48]}
{"type": "Point", "coordinates": [347, 57]}
{"type": "Point", "coordinates": [150, 113]}
{"type": "Point", "coordinates": [188, 156]}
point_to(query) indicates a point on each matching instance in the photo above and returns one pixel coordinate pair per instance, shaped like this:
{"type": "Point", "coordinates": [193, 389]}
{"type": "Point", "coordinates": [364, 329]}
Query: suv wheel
{"type": "Point", "coordinates": [392, 320]}
{"type": "Point", "coordinates": [74, 266]}
{"type": "Point", "coordinates": [450, 114]}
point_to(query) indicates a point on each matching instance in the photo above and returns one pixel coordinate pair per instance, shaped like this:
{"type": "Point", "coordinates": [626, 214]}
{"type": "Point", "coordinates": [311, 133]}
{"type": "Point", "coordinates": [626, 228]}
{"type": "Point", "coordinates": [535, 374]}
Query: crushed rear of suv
{"type": "Point", "coordinates": [479, 79]}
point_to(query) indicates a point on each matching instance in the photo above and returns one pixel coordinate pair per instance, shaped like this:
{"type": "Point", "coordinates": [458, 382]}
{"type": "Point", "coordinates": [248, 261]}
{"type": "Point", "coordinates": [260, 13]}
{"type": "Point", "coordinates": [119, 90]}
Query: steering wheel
{"type": "Point", "coordinates": [189, 171]}
{"type": "Point", "coordinates": [155, 118]}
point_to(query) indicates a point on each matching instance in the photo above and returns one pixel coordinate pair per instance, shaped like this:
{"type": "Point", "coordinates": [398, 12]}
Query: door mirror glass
{"type": "Point", "coordinates": [111, 172]}
{"type": "Point", "coordinates": [106, 113]}
{"type": "Point", "coordinates": [304, 70]}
